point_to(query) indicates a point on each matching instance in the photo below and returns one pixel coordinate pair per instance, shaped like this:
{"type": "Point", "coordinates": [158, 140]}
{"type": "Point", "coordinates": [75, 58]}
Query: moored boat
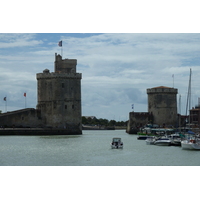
{"type": "Point", "coordinates": [163, 141]}
{"type": "Point", "coordinates": [143, 137]}
{"type": "Point", "coordinates": [191, 144]}
{"type": "Point", "coordinates": [175, 139]}
{"type": "Point", "coordinates": [150, 140]}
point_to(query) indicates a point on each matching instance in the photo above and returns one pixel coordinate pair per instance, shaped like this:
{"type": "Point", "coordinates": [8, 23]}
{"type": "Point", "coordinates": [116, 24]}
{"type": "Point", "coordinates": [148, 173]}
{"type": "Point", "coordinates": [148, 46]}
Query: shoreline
{"type": "Point", "coordinates": [38, 131]}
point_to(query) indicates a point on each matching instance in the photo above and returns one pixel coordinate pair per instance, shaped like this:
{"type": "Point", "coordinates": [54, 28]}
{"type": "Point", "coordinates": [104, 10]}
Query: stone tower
{"type": "Point", "coordinates": [59, 95]}
{"type": "Point", "coordinates": [162, 103]}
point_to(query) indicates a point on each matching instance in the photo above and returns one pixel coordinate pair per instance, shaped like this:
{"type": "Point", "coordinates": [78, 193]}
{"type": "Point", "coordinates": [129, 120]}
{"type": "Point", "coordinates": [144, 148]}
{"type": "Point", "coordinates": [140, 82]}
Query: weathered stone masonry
{"type": "Point", "coordinates": [59, 100]}
{"type": "Point", "coordinates": [162, 109]}
{"type": "Point", "coordinates": [59, 94]}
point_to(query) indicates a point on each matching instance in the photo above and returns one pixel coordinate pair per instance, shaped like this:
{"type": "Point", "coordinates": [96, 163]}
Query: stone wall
{"type": "Point", "coordinates": [28, 117]}
{"type": "Point", "coordinates": [138, 120]}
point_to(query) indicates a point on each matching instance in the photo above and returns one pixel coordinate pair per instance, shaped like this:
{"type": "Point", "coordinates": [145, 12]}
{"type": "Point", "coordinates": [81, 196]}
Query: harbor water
{"type": "Point", "coordinates": [92, 148]}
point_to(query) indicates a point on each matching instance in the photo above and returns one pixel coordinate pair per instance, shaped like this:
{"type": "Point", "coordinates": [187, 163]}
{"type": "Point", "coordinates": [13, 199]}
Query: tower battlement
{"type": "Point", "coordinates": [162, 89]}
{"type": "Point", "coordinates": [53, 75]}
{"type": "Point", "coordinates": [64, 66]}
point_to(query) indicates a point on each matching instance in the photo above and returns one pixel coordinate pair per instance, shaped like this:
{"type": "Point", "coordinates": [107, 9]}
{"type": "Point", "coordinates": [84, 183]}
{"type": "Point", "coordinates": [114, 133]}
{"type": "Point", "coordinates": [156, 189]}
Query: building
{"type": "Point", "coordinates": [162, 103]}
{"type": "Point", "coordinates": [59, 100]}
{"type": "Point", "coordinates": [162, 110]}
{"type": "Point", "coordinates": [194, 117]}
{"type": "Point", "coordinates": [59, 94]}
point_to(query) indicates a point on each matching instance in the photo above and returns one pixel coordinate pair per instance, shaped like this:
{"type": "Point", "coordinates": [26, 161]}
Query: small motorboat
{"type": "Point", "coordinates": [150, 140]}
{"type": "Point", "coordinates": [117, 143]}
{"type": "Point", "coordinates": [163, 141]}
{"type": "Point", "coordinates": [175, 139]}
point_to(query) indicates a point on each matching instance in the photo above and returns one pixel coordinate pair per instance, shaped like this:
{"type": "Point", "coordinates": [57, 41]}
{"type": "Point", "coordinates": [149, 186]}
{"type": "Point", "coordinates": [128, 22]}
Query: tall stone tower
{"type": "Point", "coordinates": [162, 103]}
{"type": "Point", "coordinates": [59, 96]}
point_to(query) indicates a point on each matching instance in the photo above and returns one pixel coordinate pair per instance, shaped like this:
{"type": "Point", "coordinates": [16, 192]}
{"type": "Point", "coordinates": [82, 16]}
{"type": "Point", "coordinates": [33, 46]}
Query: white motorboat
{"type": "Point", "coordinates": [116, 143]}
{"type": "Point", "coordinates": [163, 141]}
{"type": "Point", "coordinates": [150, 140]}
{"type": "Point", "coordinates": [175, 139]}
{"type": "Point", "coordinates": [191, 144]}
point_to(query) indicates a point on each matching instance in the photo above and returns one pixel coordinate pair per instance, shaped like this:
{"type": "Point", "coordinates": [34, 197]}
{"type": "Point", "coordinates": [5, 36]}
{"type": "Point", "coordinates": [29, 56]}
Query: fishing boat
{"type": "Point", "coordinates": [117, 143]}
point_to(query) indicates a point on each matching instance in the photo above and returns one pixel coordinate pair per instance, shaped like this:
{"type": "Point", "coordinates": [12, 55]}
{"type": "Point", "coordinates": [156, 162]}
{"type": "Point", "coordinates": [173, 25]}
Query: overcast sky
{"type": "Point", "coordinates": [116, 68]}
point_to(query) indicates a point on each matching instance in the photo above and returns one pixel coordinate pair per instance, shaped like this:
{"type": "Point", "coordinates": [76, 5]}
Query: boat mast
{"type": "Point", "coordinates": [189, 96]}
{"type": "Point", "coordinates": [179, 104]}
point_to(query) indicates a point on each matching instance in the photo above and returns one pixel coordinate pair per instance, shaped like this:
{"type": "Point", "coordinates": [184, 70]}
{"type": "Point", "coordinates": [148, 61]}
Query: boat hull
{"type": "Point", "coordinates": [190, 145]}
{"type": "Point", "coordinates": [143, 137]}
{"type": "Point", "coordinates": [117, 147]}
{"type": "Point", "coordinates": [150, 141]}
{"type": "Point", "coordinates": [160, 143]}
{"type": "Point", "coordinates": [176, 142]}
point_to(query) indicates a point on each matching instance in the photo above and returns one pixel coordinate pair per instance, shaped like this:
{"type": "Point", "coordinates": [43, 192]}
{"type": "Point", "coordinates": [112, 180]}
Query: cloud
{"type": "Point", "coordinates": [116, 68]}
{"type": "Point", "coordinates": [18, 40]}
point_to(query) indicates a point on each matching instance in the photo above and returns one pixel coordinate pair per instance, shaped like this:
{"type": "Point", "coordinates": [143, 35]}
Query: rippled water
{"type": "Point", "coordinates": [90, 149]}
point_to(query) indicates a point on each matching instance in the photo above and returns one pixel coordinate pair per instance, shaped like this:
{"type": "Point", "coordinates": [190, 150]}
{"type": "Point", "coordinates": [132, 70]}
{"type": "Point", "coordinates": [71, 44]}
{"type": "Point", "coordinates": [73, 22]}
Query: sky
{"type": "Point", "coordinates": [117, 68]}
{"type": "Point", "coordinates": [122, 48]}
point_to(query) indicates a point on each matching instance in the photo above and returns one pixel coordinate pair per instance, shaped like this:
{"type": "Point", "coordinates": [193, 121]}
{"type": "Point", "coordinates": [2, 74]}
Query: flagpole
{"type": "Point", "coordinates": [6, 104]}
{"type": "Point", "coordinates": [173, 80]}
{"type": "Point", "coordinates": [5, 99]}
{"type": "Point", "coordinates": [25, 98]}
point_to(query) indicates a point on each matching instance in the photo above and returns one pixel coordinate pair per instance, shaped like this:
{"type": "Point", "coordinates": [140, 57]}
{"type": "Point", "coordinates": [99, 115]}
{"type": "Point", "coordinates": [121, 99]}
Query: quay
{"type": "Point", "coordinates": [37, 131]}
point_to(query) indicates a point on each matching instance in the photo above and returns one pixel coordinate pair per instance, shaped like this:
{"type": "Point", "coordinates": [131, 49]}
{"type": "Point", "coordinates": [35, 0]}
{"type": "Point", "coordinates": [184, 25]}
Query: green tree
{"type": "Point", "coordinates": [84, 120]}
{"type": "Point", "coordinates": [112, 123]}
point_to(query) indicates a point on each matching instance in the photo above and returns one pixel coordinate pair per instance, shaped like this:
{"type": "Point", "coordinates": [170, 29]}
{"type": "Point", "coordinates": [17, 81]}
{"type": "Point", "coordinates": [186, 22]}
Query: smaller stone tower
{"type": "Point", "coordinates": [162, 103]}
{"type": "Point", "coordinates": [59, 95]}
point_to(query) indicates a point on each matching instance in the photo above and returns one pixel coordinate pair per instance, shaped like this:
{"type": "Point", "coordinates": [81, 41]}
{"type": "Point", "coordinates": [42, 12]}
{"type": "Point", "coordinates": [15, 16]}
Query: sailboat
{"type": "Point", "coordinates": [191, 142]}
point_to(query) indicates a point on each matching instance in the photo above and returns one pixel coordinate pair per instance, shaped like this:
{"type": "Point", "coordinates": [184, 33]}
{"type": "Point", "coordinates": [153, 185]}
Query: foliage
{"type": "Point", "coordinates": [102, 122]}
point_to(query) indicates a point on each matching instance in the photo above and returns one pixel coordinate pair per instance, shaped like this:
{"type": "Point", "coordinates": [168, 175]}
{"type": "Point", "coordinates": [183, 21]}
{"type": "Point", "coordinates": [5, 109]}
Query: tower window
{"type": "Point", "coordinates": [72, 106]}
{"type": "Point", "coordinates": [65, 106]}
{"type": "Point", "coordinates": [63, 85]}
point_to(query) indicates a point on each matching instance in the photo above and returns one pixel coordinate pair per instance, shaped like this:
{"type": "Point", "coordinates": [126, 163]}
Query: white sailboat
{"type": "Point", "coordinates": [191, 142]}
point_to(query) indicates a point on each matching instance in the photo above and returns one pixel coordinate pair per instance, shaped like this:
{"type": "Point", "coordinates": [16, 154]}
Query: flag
{"type": "Point", "coordinates": [25, 94]}
{"type": "Point", "coordinates": [132, 106]}
{"type": "Point", "coordinates": [172, 75]}
{"type": "Point", "coordinates": [60, 43]}
{"type": "Point", "coordinates": [4, 98]}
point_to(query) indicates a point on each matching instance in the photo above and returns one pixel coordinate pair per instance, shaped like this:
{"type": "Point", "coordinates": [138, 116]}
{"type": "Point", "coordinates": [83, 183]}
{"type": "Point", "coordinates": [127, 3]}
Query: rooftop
{"type": "Point", "coordinates": [162, 87]}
